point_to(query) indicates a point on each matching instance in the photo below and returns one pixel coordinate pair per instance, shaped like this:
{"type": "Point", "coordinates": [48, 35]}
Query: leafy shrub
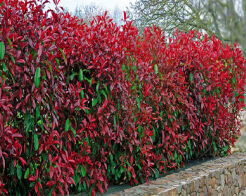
{"type": "Point", "coordinates": [83, 105]}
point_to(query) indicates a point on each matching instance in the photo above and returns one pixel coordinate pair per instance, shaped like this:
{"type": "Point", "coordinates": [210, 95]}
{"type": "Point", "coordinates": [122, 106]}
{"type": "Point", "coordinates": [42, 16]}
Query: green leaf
{"type": "Point", "coordinates": [191, 77]}
{"type": "Point", "coordinates": [97, 87]}
{"type": "Point", "coordinates": [28, 122]}
{"type": "Point", "coordinates": [139, 167]}
{"type": "Point", "coordinates": [51, 191]}
{"type": "Point", "coordinates": [36, 144]}
{"type": "Point", "coordinates": [175, 113]}
{"type": "Point", "coordinates": [121, 169]}
{"type": "Point", "coordinates": [156, 69]}
{"type": "Point", "coordinates": [123, 67]}
{"type": "Point", "coordinates": [138, 102]}
{"type": "Point", "coordinates": [2, 50]}
{"type": "Point", "coordinates": [83, 171]}
{"type": "Point", "coordinates": [40, 124]}
{"type": "Point", "coordinates": [57, 61]}
{"type": "Point", "coordinates": [234, 81]}
{"type": "Point", "coordinates": [176, 156]}
{"type": "Point", "coordinates": [73, 130]}
{"type": "Point", "coordinates": [90, 81]}
{"type": "Point", "coordinates": [34, 55]}
{"type": "Point", "coordinates": [235, 93]}
{"type": "Point", "coordinates": [105, 88]}
{"type": "Point", "coordinates": [214, 146]}
{"type": "Point", "coordinates": [134, 68]}
{"type": "Point", "coordinates": [81, 75]}
{"type": "Point", "coordinates": [63, 55]}
{"type": "Point", "coordinates": [225, 64]}
{"type": "Point", "coordinates": [189, 144]}
{"type": "Point", "coordinates": [115, 121]}
{"type": "Point", "coordinates": [67, 125]}
{"type": "Point", "coordinates": [5, 69]}
{"type": "Point", "coordinates": [37, 111]}
{"type": "Point", "coordinates": [104, 94]}
{"type": "Point", "coordinates": [72, 76]}
{"type": "Point", "coordinates": [19, 172]}
{"type": "Point", "coordinates": [10, 43]}
{"type": "Point", "coordinates": [82, 94]}
{"type": "Point", "coordinates": [87, 112]}
{"type": "Point", "coordinates": [26, 173]}
{"type": "Point", "coordinates": [94, 102]}
{"type": "Point", "coordinates": [111, 159]}
{"type": "Point", "coordinates": [37, 77]}
{"type": "Point", "coordinates": [76, 179]}
{"type": "Point", "coordinates": [12, 58]}
{"type": "Point", "coordinates": [154, 134]}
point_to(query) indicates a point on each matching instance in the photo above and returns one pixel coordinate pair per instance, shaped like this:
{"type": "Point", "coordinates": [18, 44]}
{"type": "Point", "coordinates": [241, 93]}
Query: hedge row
{"type": "Point", "coordinates": [86, 105]}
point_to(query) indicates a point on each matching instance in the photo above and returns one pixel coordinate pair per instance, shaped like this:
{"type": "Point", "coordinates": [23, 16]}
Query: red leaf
{"type": "Point", "coordinates": [93, 192]}
{"type": "Point", "coordinates": [40, 50]}
{"type": "Point", "coordinates": [26, 99]}
{"type": "Point", "coordinates": [32, 179]}
{"type": "Point", "coordinates": [124, 16]}
{"type": "Point", "coordinates": [41, 147]}
{"type": "Point", "coordinates": [40, 185]}
{"type": "Point", "coordinates": [61, 190]}
{"type": "Point", "coordinates": [22, 161]}
{"type": "Point", "coordinates": [51, 171]}
{"type": "Point", "coordinates": [50, 183]}
{"type": "Point", "coordinates": [36, 187]}
{"type": "Point", "coordinates": [17, 135]}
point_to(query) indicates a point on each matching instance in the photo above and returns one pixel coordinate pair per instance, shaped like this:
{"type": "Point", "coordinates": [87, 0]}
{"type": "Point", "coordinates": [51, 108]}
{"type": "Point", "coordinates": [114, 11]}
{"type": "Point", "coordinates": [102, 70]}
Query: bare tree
{"type": "Point", "coordinates": [225, 19]}
{"type": "Point", "coordinates": [87, 12]}
{"type": "Point", "coordinates": [117, 15]}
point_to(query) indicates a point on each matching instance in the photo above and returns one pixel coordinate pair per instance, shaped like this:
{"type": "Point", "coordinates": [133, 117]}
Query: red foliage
{"type": "Point", "coordinates": [83, 105]}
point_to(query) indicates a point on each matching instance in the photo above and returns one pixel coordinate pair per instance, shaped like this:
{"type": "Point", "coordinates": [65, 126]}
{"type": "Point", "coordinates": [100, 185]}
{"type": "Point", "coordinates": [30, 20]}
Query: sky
{"type": "Point", "coordinates": [106, 4]}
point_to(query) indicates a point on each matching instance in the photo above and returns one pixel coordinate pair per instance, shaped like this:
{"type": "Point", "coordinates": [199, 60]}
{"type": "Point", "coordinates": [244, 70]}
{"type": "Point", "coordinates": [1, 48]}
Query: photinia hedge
{"type": "Point", "coordinates": [86, 105]}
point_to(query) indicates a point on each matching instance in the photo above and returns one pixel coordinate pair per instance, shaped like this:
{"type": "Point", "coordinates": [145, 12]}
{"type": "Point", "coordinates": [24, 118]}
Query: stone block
{"type": "Point", "coordinates": [160, 182]}
{"type": "Point", "coordinates": [215, 193]}
{"type": "Point", "coordinates": [205, 191]}
{"type": "Point", "coordinates": [192, 186]}
{"type": "Point", "coordinates": [202, 181]}
{"type": "Point", "coordinates": [232, 190]}
{"type": "Point", "coordinates": [196, 185]}
{"type": "Point", "coordinates": [228, 179]}
{"type": "Point", "coordinates": [244, 181]}
{"type": "Point", "coordinates": [179, 188]}
{"type": "Point", "coordinates": [225, 190]}
{"type": "Point", "coordinates": [156, 191]}
{"type": "Point", "coordinates": [222, 178]}
{"type": "Point", "coordinates": [239, 170]}
{"type": "Point", "coordinates": [210, 191]}
{"type": "Point", "coordinates": [170, 192]}
{"type": "Point", "coordinates": [213, 182]}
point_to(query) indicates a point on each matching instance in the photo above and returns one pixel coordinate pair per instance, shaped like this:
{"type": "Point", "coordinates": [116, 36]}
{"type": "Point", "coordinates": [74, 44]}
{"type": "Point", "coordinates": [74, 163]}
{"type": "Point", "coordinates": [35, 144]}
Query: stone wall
{"type": "Point", "coordinates": [222, 176]}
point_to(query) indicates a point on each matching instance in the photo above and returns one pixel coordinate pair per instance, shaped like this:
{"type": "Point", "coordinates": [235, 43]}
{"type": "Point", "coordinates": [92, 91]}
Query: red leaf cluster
{"type": "Point", "coordinates": [85, 105]}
